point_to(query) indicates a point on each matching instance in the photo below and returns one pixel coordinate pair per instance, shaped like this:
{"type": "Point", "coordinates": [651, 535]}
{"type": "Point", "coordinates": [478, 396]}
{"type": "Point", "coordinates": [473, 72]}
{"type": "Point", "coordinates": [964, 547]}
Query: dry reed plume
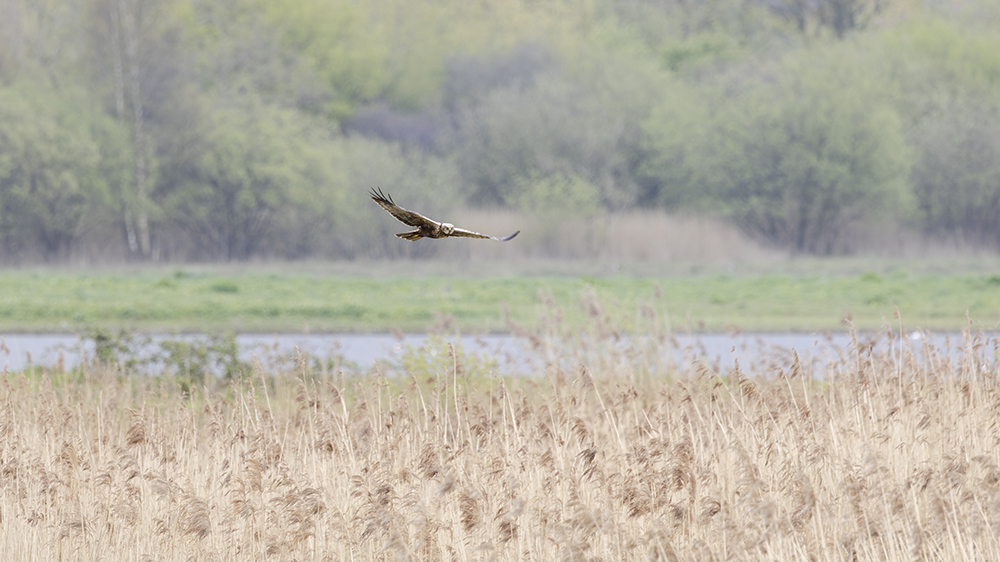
{"type": "Point", "coordinates": [894, 456]}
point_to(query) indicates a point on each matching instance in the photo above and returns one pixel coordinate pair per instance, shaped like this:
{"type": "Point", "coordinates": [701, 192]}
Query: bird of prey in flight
{"type": "Point", "coordinates": [425, 227]}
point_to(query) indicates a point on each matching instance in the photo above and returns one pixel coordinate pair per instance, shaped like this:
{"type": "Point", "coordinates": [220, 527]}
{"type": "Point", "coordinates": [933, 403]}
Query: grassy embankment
{"type": "Point", "coordinates": [213, 299]}
{"type": "Point", "coordinates": [891, 458]}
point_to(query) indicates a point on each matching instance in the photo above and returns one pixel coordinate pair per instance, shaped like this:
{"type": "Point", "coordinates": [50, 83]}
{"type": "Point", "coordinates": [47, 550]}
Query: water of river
{"type": "Point", "coordinates": [514, 355]}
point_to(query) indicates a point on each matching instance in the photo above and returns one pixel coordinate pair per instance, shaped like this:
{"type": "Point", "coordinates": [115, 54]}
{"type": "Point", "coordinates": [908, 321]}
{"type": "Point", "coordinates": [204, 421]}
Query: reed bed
{"type": "Point", "coordinates": [894, 455]}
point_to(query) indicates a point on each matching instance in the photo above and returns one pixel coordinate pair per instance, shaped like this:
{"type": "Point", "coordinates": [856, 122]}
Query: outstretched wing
{"type": "Point", "coordinates": [402, 215]}
{"type": "Point", "coordinates": [471, 234]}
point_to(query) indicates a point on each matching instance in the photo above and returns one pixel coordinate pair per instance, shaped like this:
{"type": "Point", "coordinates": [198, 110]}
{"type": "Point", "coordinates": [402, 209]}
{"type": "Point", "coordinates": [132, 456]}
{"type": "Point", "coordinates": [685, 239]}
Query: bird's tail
{"type": "Point", "coordinates": [411, 235]}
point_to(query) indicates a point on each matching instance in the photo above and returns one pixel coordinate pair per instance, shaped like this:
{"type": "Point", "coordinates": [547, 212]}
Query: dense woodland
{"type": "Point", "coordinates": [171, 130]}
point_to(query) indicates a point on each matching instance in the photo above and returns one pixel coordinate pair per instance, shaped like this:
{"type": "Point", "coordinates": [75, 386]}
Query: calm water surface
{"type": "Point", "coordinates": [513, 355]}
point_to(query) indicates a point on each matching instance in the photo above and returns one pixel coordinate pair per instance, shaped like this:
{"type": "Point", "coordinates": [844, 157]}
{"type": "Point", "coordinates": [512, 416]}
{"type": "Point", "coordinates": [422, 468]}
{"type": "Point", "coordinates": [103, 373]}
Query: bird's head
{"type": "Point", "coordinates": [447, 228]}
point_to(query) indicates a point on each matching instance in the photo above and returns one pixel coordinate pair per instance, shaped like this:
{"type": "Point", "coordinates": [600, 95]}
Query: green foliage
{"type": "Point", "coordinates": [790, 118]}
{"type": "Point", "coordinates": [581, 122]}
{"type": "Point", "coordinates": [251, 167]}
{"type": "Point", "coordinates": [950, 82]}
{"type": "Point", "coordinates": [559, 196]}
{"type": "Point", "coordinates": [940, 55]}
{"type": "Point", "coordinates": [192, 359]}
{"type": "Point", "coordinates": [828, 18]}
{"type": "Point", "coordinates": [870, 277]}
{"type": "Point", "coordinates": [673, 140]}
{"type": "Point", "coordinates": [236, 47]}
{"type": "Point", "coordinates": [197, 359]}
{"type": "Point", "coordinates": [225, 287]}
{"type": "Point", "coordinates": [121, 347]}
{"type": "Point", "coordinates": [957, 173]}
{"type": "Point", "coordinates": [699, 49]}
{"type": "Point", "coordinates": [801, 158]}
{"type": "Point", "coordinates": [438, 357]}
{"type": "Point", "coordinates": [52, 151]}
{"type": "Point", "coordinates": [343, 45]}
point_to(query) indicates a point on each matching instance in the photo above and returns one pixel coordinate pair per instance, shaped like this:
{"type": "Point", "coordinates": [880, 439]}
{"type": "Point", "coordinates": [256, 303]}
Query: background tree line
{"type": "Point", "coordinates": [236, 129]}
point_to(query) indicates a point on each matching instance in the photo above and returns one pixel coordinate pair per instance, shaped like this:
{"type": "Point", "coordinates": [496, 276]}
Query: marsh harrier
{"type": "Point", "coordinates": [426, 228]}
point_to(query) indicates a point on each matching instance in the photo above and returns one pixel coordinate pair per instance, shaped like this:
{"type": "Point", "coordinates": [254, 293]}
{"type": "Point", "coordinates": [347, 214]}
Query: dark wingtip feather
{"type": "Point", "coordinates": [377, 195]}
{"type": "Point", "coordinates": [506, 238]}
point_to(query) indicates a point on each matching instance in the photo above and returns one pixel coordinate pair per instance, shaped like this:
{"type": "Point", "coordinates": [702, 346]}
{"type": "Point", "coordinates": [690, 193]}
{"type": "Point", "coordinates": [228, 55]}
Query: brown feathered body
{"type": "Point", "coordinates": [436, 231]}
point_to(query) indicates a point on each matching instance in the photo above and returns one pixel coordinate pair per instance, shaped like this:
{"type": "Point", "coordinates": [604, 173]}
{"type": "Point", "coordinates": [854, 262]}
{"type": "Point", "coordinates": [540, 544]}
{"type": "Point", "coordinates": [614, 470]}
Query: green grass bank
{"type": "Point", "coordinates": [411, 299]}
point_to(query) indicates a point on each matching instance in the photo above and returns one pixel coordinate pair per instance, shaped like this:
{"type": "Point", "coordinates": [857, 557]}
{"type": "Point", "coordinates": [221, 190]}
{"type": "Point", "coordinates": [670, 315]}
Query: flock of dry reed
{"type": "Point", "coordinates": [893, 455]}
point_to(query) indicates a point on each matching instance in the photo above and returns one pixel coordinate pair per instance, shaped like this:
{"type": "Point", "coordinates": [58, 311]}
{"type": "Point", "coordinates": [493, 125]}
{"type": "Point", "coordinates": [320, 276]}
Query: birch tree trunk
{"type": "Point", "coordinates": [134, 208]}
{"type": "Point", "coordinates": [116, 55]}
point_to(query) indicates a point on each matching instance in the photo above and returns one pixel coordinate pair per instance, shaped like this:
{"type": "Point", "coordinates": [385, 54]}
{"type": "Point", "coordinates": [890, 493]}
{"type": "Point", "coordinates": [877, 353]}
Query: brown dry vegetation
{"type": "Point", "coordinates": [894, 456]}
{"type": "Point", "coordinates": [627, 237]}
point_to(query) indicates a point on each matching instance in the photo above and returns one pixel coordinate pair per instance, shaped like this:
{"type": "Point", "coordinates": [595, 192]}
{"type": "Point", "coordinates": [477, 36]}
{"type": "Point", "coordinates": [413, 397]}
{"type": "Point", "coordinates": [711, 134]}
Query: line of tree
{"type": "Point", "coordinates": [238, 129]}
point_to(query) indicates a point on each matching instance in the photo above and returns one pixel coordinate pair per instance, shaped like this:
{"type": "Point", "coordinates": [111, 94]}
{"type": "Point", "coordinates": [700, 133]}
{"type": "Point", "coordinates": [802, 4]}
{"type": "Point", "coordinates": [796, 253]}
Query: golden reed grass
{"type": "Point", "coordinates": [894, 455]}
